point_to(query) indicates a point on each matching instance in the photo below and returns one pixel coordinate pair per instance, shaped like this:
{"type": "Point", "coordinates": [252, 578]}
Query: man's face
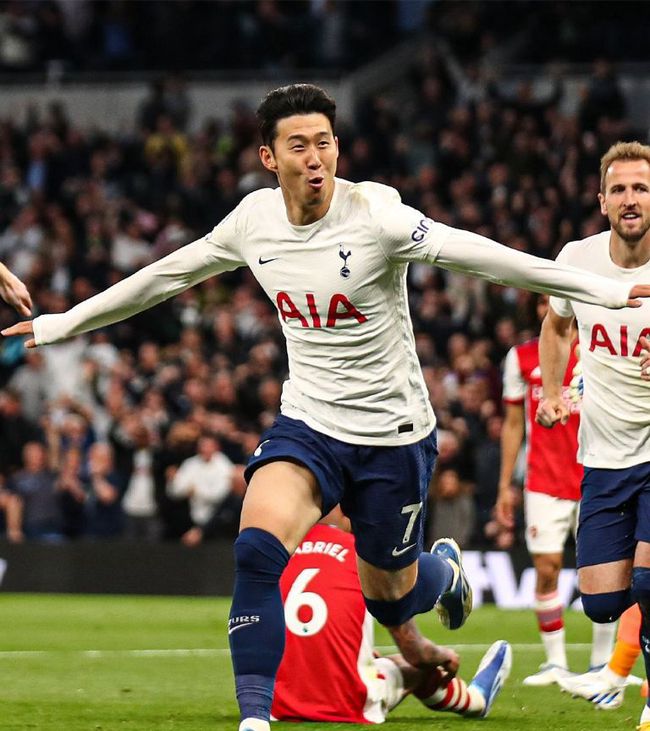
{"type": "Point", "coordinates": [626, 200]}
{"type": "Point", "coordinates": [304, 156]}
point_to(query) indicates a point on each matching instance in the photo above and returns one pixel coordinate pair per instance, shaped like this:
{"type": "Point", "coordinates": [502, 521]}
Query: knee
{"type": "Point", "coordinates": [602, 608]}
{"type": "Point", "coordinates": [258, 551]}
{"type": "Point", "coordinates": [547, 569]}
{"type": "Point", "coordinates": [641, 588]}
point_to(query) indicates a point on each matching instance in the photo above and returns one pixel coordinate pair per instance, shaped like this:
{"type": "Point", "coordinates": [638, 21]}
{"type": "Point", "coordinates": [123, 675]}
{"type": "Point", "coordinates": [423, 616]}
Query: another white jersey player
{"type": "Point", "coordinates": [613, 542]}
{"type": "Point", "coordinates": [356, 426]}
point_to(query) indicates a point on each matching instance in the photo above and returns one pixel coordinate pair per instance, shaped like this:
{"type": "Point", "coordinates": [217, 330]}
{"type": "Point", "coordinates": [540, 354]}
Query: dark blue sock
{"type": "Point", "coordinates": [256, 624]}
{"type": "Point", "coordinates": [434, 578]}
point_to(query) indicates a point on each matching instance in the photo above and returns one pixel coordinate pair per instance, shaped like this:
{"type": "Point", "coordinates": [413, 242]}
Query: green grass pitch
{"type": "Point", "coordinates": [99, 663]}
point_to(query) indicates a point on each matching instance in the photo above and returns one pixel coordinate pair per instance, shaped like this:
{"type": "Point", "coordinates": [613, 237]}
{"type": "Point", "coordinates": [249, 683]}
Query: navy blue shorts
{"type": "Point", "coordinates": [614, 514]}
{"type": "Point", "coordinates": [383, 490]}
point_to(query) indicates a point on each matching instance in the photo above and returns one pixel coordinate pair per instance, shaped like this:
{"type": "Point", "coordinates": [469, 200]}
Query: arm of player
{"type": "Point", "coordinates": [512, 436]}
{"type": "Point", "coordinates": [149, 286]}
{"type": "Point", "coordinates": [555, 341]}
{"type": "Point", "coordinates": [14, 292]}
{"type": "Point", "coordinates": [464, 251]}
{"type": "Point", "coordinates": [420, 652]}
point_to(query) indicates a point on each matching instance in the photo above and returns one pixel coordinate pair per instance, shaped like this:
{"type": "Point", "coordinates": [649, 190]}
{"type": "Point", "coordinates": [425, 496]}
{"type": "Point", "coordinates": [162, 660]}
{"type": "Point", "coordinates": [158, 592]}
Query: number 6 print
{"type": "Point", "coordinates": [298, 598]}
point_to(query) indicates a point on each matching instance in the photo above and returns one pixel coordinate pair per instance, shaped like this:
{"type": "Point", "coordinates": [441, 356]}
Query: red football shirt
{"type": "Point", "coordinates": [552, 466]}
{"type": "Point", "coordinates": [329, 636]}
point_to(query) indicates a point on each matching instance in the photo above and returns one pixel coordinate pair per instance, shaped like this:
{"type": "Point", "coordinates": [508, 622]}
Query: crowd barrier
{"type": "Point", "coordinates": [499, 577]}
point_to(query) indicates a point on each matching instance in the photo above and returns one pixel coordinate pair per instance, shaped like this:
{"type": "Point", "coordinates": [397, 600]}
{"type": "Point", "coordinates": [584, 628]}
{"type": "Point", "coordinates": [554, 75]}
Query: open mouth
{"type": "Point", "coordinates": [317, 182]}
{"type": "Point", "coordinates": [630, 216]}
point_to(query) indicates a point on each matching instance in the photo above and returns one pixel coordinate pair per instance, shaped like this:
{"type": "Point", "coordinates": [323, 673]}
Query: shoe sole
{"type": "Point", "coordinates": [468, 599]}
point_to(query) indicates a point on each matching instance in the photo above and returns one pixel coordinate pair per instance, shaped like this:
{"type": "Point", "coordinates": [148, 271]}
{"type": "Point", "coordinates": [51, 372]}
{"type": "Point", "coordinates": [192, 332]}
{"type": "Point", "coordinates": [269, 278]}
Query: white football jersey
{"type": "Point", "coordinates": [615, 426]}
{"type": "Point", "coordinates": [339, 286]}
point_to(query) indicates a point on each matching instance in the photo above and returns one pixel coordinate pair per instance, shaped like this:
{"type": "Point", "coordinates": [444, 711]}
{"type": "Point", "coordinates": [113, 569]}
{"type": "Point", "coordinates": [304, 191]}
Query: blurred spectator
{"type": "Point", "coordinates": [452, 508]}
{"type": "Point", "coordinates": [38, 514]}
{"type": "Point", "coordinates": [103, 514]}
{"type": "Point", "coordinates": [601, 97]}
{"type": "Point", "coordinates": [16, 430]}
{"type": "Point", "coordinates": [29, 383]}
{"type": "Point", "coordinates": [206, 480]}
{"type": "Point", "coordinates": [134, 462]}
{"type": "Point", "coordinates": [71, 494]}
{"type": "Point", "coordinates": [488, 460]}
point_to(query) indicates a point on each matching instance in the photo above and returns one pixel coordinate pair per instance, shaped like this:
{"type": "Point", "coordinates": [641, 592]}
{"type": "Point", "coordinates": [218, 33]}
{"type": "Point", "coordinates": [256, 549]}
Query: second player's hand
{"type": "Point", "coordinates": [638, 292]}
{"type": "Point", "coordinates": [21, 328]}
{"type": "Point", "coordinates": [550, 411]}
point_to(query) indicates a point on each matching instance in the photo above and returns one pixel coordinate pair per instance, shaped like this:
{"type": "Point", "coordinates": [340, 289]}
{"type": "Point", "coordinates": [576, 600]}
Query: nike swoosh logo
{"type": "Point", "coordinates": [239, 626]}
{"type": "Point", "coordinates": [266, 261]}
{"type": "Point", "coordinates": [400, 551]}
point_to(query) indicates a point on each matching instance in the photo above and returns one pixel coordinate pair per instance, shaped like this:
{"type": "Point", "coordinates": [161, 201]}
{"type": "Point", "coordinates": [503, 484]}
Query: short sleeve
{"type": "Point", "coordinates": [514, 385]}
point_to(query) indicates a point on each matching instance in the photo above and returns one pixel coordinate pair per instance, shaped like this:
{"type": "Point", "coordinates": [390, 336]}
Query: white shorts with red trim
{"type": "Point", "coordinates": [549, 521]}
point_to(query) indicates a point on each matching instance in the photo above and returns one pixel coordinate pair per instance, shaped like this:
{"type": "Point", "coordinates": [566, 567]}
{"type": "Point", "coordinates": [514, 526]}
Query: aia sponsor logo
{"type": "Point", "coordinates": [617, 342]}
{"type": "Point", "coordinates": [308, 315]}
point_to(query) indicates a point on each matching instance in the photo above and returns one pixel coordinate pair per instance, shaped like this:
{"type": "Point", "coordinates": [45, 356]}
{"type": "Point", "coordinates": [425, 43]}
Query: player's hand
{"type": "Point", "coordinates": [504, 509]}
{"type": "Point", "coordinates": [449, 662]}
{"type": "Point", "coordinates": [550, 411]}
{"type": "Point", "coordinates": [21, 328]}
{"type": "Point", "coordinates": [638, 291]}
{"type": "Point", "coordinates": [15, 293]}
{"type": "Point", "coordinates": [645, 358]}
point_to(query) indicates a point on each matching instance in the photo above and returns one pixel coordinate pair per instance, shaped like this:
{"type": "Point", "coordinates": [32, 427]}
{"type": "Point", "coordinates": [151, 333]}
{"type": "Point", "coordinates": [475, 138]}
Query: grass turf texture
{"type": "Point", "coordinates": [183, 682]}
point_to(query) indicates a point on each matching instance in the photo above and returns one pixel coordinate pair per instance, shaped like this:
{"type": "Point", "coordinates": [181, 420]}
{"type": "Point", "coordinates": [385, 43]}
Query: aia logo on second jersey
{"type": "Point", "coordinates": [339, 308]}
{"type": "Point", "coordinates": [617, 343]}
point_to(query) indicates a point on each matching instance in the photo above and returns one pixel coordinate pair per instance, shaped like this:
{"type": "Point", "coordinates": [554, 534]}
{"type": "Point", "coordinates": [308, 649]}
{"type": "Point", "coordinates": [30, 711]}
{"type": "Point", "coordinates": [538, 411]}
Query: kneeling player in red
{"type": "Point", "coordinates": [330, 671]}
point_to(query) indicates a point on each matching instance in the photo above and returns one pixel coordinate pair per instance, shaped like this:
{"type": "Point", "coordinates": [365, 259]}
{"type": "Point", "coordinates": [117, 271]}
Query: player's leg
{"type": "Point", "coordinates": [475, 698]}
{"type": "Point", "coordinates": [605, 542]}
{"type": "Point", "coordinates": [549, 612]}
{"type": "Point", "coordinates": [549, 521]}
{"type": "Point", "coordinates": [641, 592]}
{"type": "Point", "coordinates": [386, 508]}
{"type": "Point", "coordinates": [641, 576]}
{"type": "Point", "coordinates": [281, 504]}
{"type": "Point", "coordinates": [291, 479]}
{"type": "Point", "coordinates": [606, 688]}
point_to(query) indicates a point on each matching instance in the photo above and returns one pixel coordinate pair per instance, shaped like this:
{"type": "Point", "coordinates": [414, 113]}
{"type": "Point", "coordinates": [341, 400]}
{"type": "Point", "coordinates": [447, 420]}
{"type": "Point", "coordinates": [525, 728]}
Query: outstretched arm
{"type": "Point", "coordinates": [464, 251]}
{"type": "Point", "coordinates": [14, 292]}
{"type": "Point", "coordinates": [554, 349]}
{"type": "Point", "coordinates": [149, 286]}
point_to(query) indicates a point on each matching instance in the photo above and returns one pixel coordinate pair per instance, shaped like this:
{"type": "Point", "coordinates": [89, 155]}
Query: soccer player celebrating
{"type": "Point", "coordinates": [356, 426]}
{"type": "Point", "coordinates": [329, 670]}
{"type": "Point", "coordinates": [551, 498]}
{"type": "Point", "coordinates": [613, 543]}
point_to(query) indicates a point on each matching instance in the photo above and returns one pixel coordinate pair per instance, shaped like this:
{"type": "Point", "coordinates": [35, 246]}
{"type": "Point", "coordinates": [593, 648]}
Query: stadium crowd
{"type": "Point", "coordinates": [140, 431]}
{"type": "Point", "coordinates": [54, 37]}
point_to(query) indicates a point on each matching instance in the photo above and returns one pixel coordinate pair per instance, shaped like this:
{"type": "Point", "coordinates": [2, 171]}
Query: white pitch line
{"type": "Point", "coordinates": [221, 651]}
